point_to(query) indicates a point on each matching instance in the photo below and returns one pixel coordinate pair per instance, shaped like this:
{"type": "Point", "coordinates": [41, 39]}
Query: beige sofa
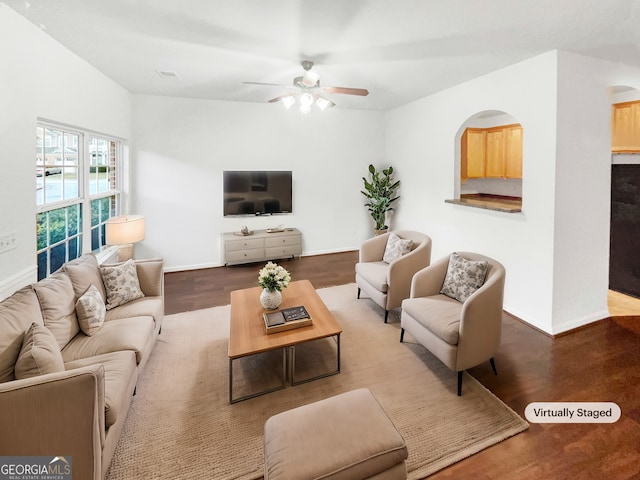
{"type": "Point", "coordinates": [78, 412]}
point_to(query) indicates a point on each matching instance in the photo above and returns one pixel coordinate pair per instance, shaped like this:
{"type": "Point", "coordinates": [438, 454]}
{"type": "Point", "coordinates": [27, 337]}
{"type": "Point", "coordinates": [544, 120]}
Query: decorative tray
{"type": "Point", "coordinates": [286, 319]}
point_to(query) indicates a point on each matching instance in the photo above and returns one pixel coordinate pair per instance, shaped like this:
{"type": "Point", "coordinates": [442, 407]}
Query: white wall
{"type": "Point", "coordinates": [421, 140]}
{"type": "Point", "coordinates": [181, 147]}
{"type": "Point", "coordinates": [583, 193]}
{"type": "Point", "coordinates": [41, 79]}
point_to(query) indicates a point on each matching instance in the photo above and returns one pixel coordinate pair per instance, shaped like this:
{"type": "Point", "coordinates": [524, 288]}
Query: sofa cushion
{"type": "Point", "coordinates": [116, 335]}
{"type": "Point", "coordinates": [58, 304]}
{"type": "Point", "coordinates": [17, 312]}
{"type": "Point", "coordinates": [463, 277]}
{"type": "Point", "coordinates": [439, 314]}
{"type": "Point", "coordinates": [141, 307]}
{"type": "Point", "coordinates": [83, 272]}
{"type": "Point", "coordinates": [91, 311]}
{"type": "Point", "coordinates": [40, 353]}
{"type": "Point", "coordinates": [374, 273]}
{"type": "Point", "coordinates": [121, 283]}
{"type": "Point", "coordinates": [119, 371]}
{"type": "Point", "coordinates": [396, 248]}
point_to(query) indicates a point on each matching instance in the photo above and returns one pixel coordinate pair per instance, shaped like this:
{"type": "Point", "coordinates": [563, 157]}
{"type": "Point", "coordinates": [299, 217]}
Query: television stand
{"type": "Point", "coordinates": [262, 245]}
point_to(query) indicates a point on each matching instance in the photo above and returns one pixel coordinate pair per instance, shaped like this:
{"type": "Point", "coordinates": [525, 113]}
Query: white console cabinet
{"type": "Point", "coordinates": [262, 245]}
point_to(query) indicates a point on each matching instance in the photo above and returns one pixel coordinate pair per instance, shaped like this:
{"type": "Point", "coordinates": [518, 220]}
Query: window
{"type": "Point", "coordinates": [77, 191]}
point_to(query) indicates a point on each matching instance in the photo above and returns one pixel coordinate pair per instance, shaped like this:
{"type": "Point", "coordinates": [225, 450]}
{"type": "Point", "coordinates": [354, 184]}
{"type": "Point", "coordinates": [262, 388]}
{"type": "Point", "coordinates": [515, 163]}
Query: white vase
{"type": "Point", "coordinates": [270, 299]}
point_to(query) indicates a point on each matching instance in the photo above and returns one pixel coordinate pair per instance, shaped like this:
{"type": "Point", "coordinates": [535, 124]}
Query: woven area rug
{"type": "Point", "coordinates": [181, 424]}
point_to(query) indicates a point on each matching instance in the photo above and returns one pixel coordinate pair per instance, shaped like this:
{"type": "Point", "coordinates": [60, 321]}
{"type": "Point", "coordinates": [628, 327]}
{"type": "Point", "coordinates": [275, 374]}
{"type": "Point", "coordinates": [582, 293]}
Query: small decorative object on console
{"type": "Point", "coordinates": [272, 278]}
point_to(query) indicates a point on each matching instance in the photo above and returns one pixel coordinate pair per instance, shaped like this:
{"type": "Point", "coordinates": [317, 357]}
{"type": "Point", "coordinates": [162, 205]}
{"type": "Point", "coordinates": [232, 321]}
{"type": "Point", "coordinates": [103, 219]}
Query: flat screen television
{"type": "Point", "coordinates": [257, 192]}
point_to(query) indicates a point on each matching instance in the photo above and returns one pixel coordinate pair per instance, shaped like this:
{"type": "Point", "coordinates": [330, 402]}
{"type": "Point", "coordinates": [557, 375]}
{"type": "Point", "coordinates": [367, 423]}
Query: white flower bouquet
{"type": "Point", "coordinates": [273, 277]}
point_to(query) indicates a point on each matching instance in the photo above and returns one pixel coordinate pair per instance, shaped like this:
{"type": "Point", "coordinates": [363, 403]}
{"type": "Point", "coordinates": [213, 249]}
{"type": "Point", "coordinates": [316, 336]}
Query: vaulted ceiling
{"type": "Point", "coordinates": [399, 50]}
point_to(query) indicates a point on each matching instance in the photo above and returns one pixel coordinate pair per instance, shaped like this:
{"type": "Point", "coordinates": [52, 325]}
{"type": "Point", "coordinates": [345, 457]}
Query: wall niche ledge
{"type": "Point", "coordinates": [499, 203]}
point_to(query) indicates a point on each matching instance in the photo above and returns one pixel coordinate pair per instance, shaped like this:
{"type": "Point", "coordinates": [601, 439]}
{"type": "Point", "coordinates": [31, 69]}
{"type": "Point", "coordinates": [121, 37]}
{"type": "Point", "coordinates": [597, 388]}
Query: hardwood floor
{"type": "Point", "coordinates": [597, 363]}
{"type": "Point", "coordinates": [209, 287]}
{"type": "Point", "coordinates": [621, 305]}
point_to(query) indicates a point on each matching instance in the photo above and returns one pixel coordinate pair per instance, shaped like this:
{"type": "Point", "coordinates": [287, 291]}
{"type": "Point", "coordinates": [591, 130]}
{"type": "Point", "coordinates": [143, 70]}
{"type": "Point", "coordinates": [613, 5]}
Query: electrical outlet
{"type": "Point", "coordinates": [8, 242]}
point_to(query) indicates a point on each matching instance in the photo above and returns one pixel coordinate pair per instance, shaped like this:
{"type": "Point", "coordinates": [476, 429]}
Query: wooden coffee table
{"type": "Point", "coordinates": [248, 336]}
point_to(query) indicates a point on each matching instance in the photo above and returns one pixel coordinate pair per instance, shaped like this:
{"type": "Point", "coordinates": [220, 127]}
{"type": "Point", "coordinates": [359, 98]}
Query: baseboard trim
{"type": "Point", "coordinates": [186, 268]}
{"type": "Point", "coordinates": [568, 328]}
{"type": "Point", "coordinates": [17, 281]}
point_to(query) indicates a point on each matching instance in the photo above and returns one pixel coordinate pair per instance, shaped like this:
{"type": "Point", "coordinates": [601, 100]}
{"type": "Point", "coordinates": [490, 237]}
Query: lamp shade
{"type": "Point", "coordinates": [125, 229]}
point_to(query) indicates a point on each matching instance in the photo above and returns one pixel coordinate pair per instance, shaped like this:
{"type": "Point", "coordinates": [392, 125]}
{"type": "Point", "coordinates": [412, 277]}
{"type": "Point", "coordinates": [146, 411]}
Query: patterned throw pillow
{"type": "Point", "coordinates": [40, 353]}
{"type": "Point", "coordinates": [121, 283]}
{"type": "Point", "coordinates": [396, 247]}
{"type": "Point", "coordinates": [463, 277]}
{"type": "Point", "coordinates": [91, 311]}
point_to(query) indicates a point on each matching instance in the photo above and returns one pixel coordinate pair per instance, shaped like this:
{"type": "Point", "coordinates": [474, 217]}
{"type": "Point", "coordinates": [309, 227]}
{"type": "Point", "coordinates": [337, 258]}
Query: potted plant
{"type": "Point", "coordinates": [272, 278]}
{"type": "Point", "coordinates": [380, 190]}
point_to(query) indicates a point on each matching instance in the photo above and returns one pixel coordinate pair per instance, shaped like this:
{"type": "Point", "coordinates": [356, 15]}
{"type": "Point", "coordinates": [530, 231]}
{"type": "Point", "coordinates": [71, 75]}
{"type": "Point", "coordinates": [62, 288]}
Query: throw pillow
{"type": "Point", "coordinates": [91, 311]}
{"type": "Point", "coordinates": [396, 247]}
{"type": "Point", "coordinates": [463, 277]}
{"type": "Point", "coordinates": [39, 355]}
{"type": "Point", "coordinates": [121, 283]}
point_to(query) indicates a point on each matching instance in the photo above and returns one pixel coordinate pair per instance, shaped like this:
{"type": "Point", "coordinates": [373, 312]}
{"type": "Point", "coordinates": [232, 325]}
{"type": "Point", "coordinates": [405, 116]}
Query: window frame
{"type": "Point", "coordinates": [84, 198]}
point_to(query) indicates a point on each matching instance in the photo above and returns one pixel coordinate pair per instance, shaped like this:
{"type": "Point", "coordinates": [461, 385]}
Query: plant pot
{"type": "Point", "coordinates": [270, 299]}
{"type": "Point", "coordinates": [380, 232]}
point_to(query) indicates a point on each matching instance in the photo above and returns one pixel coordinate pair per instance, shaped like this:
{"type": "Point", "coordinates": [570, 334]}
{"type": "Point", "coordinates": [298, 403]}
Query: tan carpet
{"type": "Point", "coordinates": [181, 424]}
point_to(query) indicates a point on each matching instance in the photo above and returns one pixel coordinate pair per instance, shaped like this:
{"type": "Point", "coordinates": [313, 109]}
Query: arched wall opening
{"type": "Point", "coordinates": [488, 159]}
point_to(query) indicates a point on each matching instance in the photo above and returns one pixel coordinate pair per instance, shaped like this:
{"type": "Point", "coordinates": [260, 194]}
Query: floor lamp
{"type": "Point", "coordinates": [124, 231]}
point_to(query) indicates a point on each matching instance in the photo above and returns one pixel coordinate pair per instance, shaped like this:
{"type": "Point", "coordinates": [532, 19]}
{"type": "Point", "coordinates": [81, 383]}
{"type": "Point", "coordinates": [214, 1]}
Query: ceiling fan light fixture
{"type": "Point", "coordinates": [310, 79]}
{"type": "Point", "coordinates": [323, 103]}
{"type": "Point", "coordinates": [304, 109]}
{"type": "Point", "coordinates": [306, 99]}
{"type": "Point", "coordinates": [288, 101]}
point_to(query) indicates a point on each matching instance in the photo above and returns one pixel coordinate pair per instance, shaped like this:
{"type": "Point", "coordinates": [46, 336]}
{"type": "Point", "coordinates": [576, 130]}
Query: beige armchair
{"type": "Point", "coordinates": [461, 335]}
{"type": "Point", "coordinates": [389, 283]}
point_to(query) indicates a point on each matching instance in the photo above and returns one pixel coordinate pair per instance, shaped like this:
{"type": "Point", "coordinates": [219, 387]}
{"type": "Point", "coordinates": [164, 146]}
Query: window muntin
{"type": "Point", "coordinates": [59, 238]}
{"type": "Point", "coordinates": [57, 166]}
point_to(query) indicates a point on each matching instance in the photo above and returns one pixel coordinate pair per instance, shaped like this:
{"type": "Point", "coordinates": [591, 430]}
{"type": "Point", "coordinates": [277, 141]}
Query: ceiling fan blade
{"type": "Point", "coordinates": [267, 84]}
{"type": "Point", "coordinates": [277, 99]}
{"type": "Point", "coordinates": [363, 92]}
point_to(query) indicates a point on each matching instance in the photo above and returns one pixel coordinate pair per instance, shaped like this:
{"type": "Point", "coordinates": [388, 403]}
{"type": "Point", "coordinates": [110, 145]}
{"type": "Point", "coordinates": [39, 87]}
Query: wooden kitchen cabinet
{"type": "Point", "coordinates": [491, 152]}
{"type": "Point", "coordinates": [625, 127]}
{"type": "Point", "coordinates": [513, 152]}
{"type": "Point", "coordinates": [495, 153]}
{"type": "Point", "coordinates": [472, 153]}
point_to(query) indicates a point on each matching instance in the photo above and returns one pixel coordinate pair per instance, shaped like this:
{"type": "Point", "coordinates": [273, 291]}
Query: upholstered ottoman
{"type": "Point", "coordinates": [348, 436]}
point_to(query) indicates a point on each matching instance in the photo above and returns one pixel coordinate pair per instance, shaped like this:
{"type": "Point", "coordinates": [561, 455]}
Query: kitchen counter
{"type": "Point", "coordinates": [498, 203]}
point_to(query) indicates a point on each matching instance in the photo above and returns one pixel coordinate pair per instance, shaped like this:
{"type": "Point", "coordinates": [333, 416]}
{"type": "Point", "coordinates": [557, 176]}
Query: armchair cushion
{"type": "Point", "coordinates": [396, 247]}
{"type": "Point", "coordinates": [375, 274]}
{"type": "Point", "coordinates": [39, 355]}
{"type": "Point", "coordinates": [463, 277]}
{"type": "Point", "coordinates": [91, 311]}
{"type": "Point", "coordinates": [439, 314]}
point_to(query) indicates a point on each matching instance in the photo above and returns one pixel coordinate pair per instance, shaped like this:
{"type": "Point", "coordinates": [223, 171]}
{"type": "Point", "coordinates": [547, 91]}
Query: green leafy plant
{"type": "Point", "coordinates": [380, 190]}
{"type": "Point", "coordinates": [273, 277]}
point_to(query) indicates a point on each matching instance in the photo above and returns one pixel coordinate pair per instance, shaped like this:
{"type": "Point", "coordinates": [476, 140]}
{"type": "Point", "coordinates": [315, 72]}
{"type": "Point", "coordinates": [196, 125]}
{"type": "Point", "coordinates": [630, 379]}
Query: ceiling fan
{"type": "Point", "coordinates": [309, 89]}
